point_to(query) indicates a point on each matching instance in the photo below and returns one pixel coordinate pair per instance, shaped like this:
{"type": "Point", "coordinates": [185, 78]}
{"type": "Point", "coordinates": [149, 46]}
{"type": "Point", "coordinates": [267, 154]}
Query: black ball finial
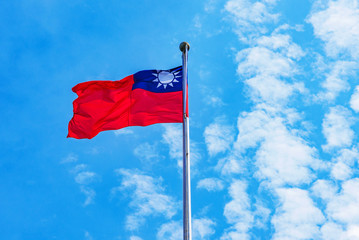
{"type": "Point", "coordinates": [183, 46]}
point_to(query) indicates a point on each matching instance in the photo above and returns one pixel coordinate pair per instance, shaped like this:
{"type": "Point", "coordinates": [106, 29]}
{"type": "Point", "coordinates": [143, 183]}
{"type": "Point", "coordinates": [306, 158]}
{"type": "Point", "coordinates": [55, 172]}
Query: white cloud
{"type": "Point", "coordinates": [230, 165]}
{"type": "Point", "coordinates": [353, 232]}
{"type": "Point", "coordinates": [210, 5]}
{"type": "Point", "coordinates": [296, 217]}
{"type": "Point", "coordinates": [354, 100]}
{"type": "Point", "coordinates": [218, 137]}
{"type": "Point", "coordinates": [261, 60]}
{"type": "Point", "coordinates": [282, 43]}
{"type": "Point", "coordinates": [147, 153]}
{"type": "Point", "coordinates": [261, 214]}
{"type": "Point", "coordinates": [89, 193]}
{"type": "Point", "coordinates": [336, 128]}
{"type": "Point", "coordinates": [333, 231]}
{"type": "Point", "coordinates": [342, 212]}
{"type": "Point", "coordinates": [70, 158]}
{"type": "Point", "coordinates": [343, 164]}
{"type": "Point", "coordinates": [211, 184]}
{"type": "Point", "coordinates": [202, 228]}
{"type": "Point", "coordinates": [337, 80]}
{"type": "Point", "coordinates": [197, 22]}
{"type": "Point", "coordinates": [78, 168]}
{"type": "Point", "coordinates": [283, 157]}
{"type": "Point", "coordinates": [147, 197]}
{"type": "Point", "coordinates": [214, 101]}
{"type": "Point", "coordinates": [341, 171]}
{"type": "Point", "coordinates": [173, 138]}
{"type": "Point", "coordinates": [337, 24]}
{"type": "Point", "coordinates": [253, 127]}
{"type": "Point", "coordinates": [348, 156]}
{"type": "Point", "coordinates": [271, 90]}
{"type": "Point", "coordinates": [344, 207]}
{"type": "Point", "coordinates": [264, 64]}
{"type": "Point", "coordinates": [238, 213]}
{"type": "Point", "coordinates": [85, 177]}
{"type": "Point", "coordinates": [324, 189]}
{"type": "Point", "coordinates": [135, 238]}
{"type": "Point", "coordinates": [210, 95]}
{"type": "Point", "coordinates": [123, 131]}
{"type": "Point", "coordinates": [170, 231]}
{"type": "Point", "coordinates": [249, 16]}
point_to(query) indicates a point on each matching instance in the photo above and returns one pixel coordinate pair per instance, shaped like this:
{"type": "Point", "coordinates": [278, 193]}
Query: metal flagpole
{"type": "Point", "coordinates": [187, 229]}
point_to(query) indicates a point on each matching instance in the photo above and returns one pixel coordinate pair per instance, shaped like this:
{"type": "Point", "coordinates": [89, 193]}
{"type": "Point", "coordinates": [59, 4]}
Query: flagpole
{"type": "Point", "coordinates": [187, 228]}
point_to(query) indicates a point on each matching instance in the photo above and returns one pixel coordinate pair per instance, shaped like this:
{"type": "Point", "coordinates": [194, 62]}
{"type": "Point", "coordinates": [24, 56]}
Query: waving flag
{"type": "Point", "coordinates": [144, 98]}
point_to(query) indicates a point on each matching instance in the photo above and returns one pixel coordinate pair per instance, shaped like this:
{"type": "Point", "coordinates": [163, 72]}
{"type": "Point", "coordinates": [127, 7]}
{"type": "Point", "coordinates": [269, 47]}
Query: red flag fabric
{"type": "Point", "coordinates": [141, 99]}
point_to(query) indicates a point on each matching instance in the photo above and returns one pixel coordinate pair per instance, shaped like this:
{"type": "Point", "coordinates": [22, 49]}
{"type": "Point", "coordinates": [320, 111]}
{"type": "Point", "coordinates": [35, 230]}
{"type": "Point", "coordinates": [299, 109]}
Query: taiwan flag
{"type": "Point", "coordinates": [144, 98]}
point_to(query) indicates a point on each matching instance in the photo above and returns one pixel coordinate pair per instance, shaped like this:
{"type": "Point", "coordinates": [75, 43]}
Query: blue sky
{"type": "Point", "coordinates": [274, 104]}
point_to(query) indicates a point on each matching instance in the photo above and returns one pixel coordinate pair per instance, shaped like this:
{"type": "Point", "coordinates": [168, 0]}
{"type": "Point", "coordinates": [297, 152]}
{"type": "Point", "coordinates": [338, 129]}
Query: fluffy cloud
{"type": "Point", "coordinates": [324, 189]}
{"type": "Point", "coordinates": [268, 134]}
{"type": "Point", "coordinates": [89, 193]}
{"type": "Point", "coordinates": [344, 163]}
{"type": "Point", "coordinates": [231, 164]}
{"type": "Point", "coordinates": [85, 177]}
{"type": "Point", "coordinates": [147, 153]}
{"type": "Point", "coordinates": [337, 24]}
{"type": "Point", "coordinates": [297, 217]}
{"type": "Point", "coordinates": [336, 80]}
{"type": "Point", "coordinates": [336, 128]}
{"type": "Point", "coordinates": [341, 171]}
{"type": "Point", "coordinates": [334, 231]}
{"type": "Point", "coordinates": [147, 197]}
{"type": "Point", "coordinates": [282, 43]}
{"type": "Point", "coordinates": [264, 64]}
{"type": "Point", "coordinates": [218, 137]}
{"type": "Point", "coordinates": [342, 210]}
{"type": "Point", "coordinates": [211, 184]}
{"type": "Point", "coordinates": [238, 213]}
{"type": "Point", "coordinates": [249, 16]}
{"type": "Point", "coordinates": [70, 158]}
{"type": "Point", "coordinates": [261, 60]}
{"type": "Point", "coordinates": [123, 131]}
{"type": "Point", "coordinates": [354, 100]}
{"type": "Point", "coordinates": [171, 231]}
{"type": "Point", "coordinates": [261, 214]}
{"type": "Point", "coordinates": [173, 138]}
{"type": "Point", "coordinates": [135, 238]}
{"type": "Point", "coordinates": [202, 229]}
{"type": "Point", "coordinates": [344, 207]}
{"type": "Point", "coordinates": [282, 156]}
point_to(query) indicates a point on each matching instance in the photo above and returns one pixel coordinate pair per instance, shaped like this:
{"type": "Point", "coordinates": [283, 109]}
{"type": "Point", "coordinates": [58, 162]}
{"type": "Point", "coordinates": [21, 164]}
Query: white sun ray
{"type": "Point", "coordinates": [166, 78]}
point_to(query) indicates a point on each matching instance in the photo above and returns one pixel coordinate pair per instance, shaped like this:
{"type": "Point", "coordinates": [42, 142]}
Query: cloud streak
{"type": "Point", "coordinates": [147, 197]}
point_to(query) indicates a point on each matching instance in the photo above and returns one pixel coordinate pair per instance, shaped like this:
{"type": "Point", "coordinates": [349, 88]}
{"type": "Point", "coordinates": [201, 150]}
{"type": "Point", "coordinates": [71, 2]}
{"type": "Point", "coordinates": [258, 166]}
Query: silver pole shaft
{"type": "Point", "coordinates": [187, 222]}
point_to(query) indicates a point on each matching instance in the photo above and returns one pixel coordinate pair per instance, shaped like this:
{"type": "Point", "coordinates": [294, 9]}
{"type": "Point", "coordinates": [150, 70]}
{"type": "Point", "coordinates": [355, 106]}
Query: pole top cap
{"type": "Point", "coordinates": [183, 46]}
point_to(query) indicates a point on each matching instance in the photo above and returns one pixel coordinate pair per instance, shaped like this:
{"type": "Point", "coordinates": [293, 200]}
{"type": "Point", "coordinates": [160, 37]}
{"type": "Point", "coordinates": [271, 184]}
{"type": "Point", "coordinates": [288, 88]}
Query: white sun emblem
{"type": "Point", "coordinates": [166, 78]}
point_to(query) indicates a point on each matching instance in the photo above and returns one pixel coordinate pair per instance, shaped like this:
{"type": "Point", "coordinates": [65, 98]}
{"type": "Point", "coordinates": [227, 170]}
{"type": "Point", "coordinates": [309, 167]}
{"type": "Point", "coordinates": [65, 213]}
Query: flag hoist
{"type": "Point", "coordinates": [141, 99]}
